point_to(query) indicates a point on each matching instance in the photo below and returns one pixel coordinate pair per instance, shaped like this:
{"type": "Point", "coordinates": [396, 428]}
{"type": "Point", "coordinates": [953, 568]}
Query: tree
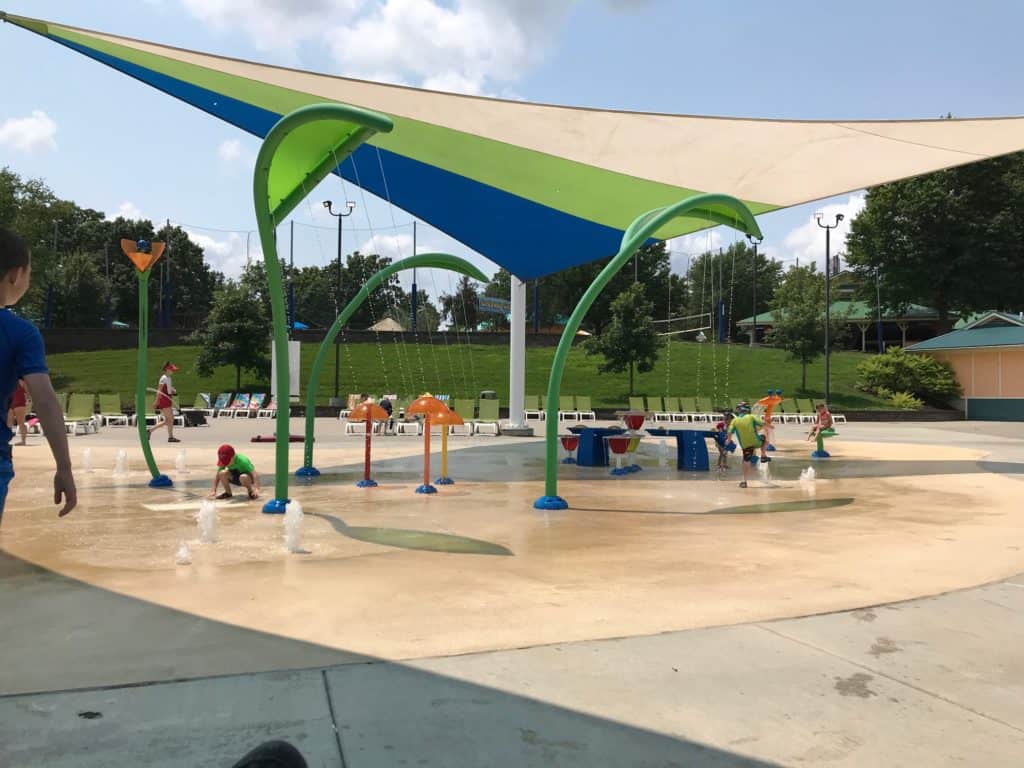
{"type": "Point", "coordinates": [799, 310]}
{"type": "Point", "coordinates": [428, 318]}
{"type": "Point", "coordinates": [629, 342]}
{"type": "Point", "coordinates": [651, 268]}
{"type": "Point", "coordinates": [236, 332]}
{"type": "Point", "coordinates": [461, 309]}
{"type": "Point", "coordinates": [729, 275]}
{"type": "Point", "coordinates": [79, 293]}
{"type": "Point", "coordinates": [949, 240]}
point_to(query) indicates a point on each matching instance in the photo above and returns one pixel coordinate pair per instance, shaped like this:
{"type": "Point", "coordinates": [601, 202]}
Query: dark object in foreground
{"type": "Point", "coordinates": [273, 754]}
{"type": "Point", "coordinates": [273, 438]}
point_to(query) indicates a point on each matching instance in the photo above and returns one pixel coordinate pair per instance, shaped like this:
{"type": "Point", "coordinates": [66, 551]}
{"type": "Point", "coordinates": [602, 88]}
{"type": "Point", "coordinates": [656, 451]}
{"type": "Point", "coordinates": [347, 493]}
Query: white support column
{"type": "Point", "coordinates": [517, 357]}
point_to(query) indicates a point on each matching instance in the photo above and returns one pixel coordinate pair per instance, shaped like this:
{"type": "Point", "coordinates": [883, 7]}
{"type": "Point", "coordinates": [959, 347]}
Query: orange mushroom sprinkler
{"type": "Point", "coordinates": [429, 407]}
{"type": "Point", "coordinates": [369, 413]}
{"type": "Point", "coordinates": [769, 401]}
{"type": "Point", "coordinates": [447, 421]}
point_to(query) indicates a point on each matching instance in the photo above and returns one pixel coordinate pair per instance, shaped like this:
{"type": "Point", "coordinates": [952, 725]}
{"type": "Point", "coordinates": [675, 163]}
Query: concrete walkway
{"type": "Point", "coordinates": [937, 681]}
{"type": "Point", "coordinates": [932, 682]}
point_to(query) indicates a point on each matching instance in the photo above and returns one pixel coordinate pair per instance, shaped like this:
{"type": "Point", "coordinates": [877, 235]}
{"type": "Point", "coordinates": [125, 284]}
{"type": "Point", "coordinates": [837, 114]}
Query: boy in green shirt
{"type": "Point", "coordinates": [234, 469]}
{"type": "Point", "coordinates": [745, 427]}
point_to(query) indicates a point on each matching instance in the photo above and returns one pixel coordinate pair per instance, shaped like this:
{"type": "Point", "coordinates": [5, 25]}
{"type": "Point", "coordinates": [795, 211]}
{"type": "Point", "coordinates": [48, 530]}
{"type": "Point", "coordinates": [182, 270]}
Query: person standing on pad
{"type": "Point", "coordinates": [745, 427]}
{"type": "Point", "coordinates": [22, 357]}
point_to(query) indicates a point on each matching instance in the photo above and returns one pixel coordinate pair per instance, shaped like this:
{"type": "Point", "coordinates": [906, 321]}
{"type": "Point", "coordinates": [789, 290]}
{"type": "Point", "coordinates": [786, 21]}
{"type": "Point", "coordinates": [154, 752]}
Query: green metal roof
{"type": "Point", "coordinates": [971, 338]}
{"type": "Point", "coordinates": [857, 311]}
{"type": "Point", "coordinates": [977, 316]}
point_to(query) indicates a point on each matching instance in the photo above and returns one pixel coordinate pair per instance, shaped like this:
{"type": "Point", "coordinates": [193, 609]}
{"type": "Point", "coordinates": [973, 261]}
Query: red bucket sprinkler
{"type": "Point", "coordinates": [570, 443]}
{"type": "Point", "coordinates": [367, 413]}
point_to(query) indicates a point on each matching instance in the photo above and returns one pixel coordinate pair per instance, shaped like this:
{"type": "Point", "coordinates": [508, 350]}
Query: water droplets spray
{"type": "Point", "coordinates": [662, 453]}
{"type": "Point", "coordinates": [206, 519]}
{"type": "Point", "coordinates": [121, 463]}
{"type": "Point", "coordinates": [807, 481]}
{"type": "Point", "coordinates": [183, 556]}
{"type": "Point", "coordinates": [87, 459]}
{"type": "Point", "coordinates": [181, 462]}
{"type": "Point", "coordinates": [293, 527]}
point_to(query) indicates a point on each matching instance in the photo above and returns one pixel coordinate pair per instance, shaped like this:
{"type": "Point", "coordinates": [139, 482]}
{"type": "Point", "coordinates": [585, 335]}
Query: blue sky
{"type": "Point", "coordinates": [60, 112]}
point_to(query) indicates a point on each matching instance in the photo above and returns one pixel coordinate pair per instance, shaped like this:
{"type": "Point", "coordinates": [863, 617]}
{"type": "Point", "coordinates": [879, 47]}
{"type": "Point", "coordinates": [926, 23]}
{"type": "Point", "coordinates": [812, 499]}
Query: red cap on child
{"type": "Point", "coordinates": [224, 455]}
{"type": "Point", "coordinates": [171, 367]}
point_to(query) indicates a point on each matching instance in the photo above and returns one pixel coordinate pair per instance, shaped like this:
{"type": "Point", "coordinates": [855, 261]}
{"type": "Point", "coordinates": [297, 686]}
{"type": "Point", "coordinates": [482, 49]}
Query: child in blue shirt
{"type": "Point", "coordinates": [22, 357]}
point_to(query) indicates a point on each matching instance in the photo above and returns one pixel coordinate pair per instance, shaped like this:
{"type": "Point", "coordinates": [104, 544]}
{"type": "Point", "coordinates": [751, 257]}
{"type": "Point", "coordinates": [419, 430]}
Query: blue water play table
{"type": "Point", "coordinates": [691, 448]}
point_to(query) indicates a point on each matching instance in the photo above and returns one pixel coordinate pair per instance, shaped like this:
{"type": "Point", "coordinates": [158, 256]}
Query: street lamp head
{"type": "Point", "coordinates": [839, 217]}
{"type": "Point", "coordinates": [327, 204]}
{"type": "Point", "coordinates": [819, 216]}
{"type": "Point", "coordinates": [351, 206]}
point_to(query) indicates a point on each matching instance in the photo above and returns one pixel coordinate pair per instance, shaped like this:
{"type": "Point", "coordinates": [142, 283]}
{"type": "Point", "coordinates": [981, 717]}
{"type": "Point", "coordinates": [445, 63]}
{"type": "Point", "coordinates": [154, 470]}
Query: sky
{"type": "Point", "coordinates": [61, 113]}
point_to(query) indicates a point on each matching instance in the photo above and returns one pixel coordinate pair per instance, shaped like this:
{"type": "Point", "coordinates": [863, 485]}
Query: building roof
{"type": "Point", "coordinates": [857, 311]}
{"type": "Point", "coordinates": [538, 188]}
{"type": "Point", "coordinates": [387, 324]}
{"type": "Point", "coordinates": [989, 317]}
{"type": "Point", "coordinates": [973, 338]}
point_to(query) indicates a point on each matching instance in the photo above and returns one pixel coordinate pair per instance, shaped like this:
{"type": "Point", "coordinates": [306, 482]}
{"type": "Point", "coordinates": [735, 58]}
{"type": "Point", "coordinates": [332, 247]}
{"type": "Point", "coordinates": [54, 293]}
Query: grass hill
{"type": "Point", "coordinates": [684, 368]}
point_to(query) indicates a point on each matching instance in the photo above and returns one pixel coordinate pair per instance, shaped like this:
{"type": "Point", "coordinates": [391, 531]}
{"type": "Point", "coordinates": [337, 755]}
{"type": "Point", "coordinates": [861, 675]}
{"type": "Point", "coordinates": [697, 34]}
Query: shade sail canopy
{"type": "Point", "coordinates": [537, 188]}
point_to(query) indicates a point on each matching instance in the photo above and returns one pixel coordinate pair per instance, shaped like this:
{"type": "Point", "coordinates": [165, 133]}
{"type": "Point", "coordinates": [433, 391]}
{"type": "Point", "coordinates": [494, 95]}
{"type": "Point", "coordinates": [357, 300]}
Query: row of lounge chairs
{"type": "Point", "coordinates": [700, 409]}
{"type": "Point", "coordinates": [570, 407]}
{"type": "Point", "coordinates": [481, 417]}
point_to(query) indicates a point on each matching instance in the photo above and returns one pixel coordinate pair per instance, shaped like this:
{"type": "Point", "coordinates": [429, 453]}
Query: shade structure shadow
{"type": "Point", "coordinates": [404, 538]}
{"type": "Point", "coordinates": [92, 678]}
{"type": "Point", "coordinates": [798, 505]}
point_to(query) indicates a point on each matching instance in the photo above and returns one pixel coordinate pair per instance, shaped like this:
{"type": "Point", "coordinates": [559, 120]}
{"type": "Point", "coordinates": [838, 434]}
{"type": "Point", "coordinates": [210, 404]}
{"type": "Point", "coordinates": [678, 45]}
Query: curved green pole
{"type": "Point", "coordinates": [158, 480]}
{"type": "Point", "coordinates": [713, 207]}
{"type": "Point", "coordinates": [366, 123]}
{"type": "Point", "coordinates": [423, 261]}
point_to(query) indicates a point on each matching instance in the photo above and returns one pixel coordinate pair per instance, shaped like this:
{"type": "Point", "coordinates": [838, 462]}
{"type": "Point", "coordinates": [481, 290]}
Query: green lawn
{"type": "Point", "coordinates": [466, 369]}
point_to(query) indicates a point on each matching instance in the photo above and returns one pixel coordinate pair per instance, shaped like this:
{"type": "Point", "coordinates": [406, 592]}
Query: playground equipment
{"type": "Point", "coordinates": [368, 413]}
{"type": "Point", "coordinates": [634, 421]}
{"type": "Point", "coordinates": [768, 402]}
{"type": "Point", "coordinates": [424, 260]}
{"type": "Point", "coordinates": [299, 151]}
{"type": "Point", "coordinates": [719, 209]}
{"type": "Point", "coordinates": [820, 452]}
{"type": "Point", "coordinates": [144, 255]}
{"type": "Point", "coordinates": [447, 420]}
{"type": "Point", "coordinates": [570, 443]}
{"type": "Point", "coordinates": [619, 446]}
{"type": "Point", "coordinates": [428, 406]}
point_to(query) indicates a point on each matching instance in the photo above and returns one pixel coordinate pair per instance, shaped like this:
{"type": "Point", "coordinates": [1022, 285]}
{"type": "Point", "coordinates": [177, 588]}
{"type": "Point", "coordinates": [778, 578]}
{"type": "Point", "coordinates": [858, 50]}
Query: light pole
{"type": "Point", "coordinates": [350, 206]}
{"type": "Point", "coordinates": [755, 241]}
{"type": "Point", "coordinates": [828, 296]}
{"type": "Point", "coordinates": [878, 307]}
{"type": "Point", "coordinates": [48, 320]}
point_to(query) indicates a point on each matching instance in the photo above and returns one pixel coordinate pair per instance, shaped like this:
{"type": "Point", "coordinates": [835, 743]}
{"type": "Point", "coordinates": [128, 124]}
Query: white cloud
{"type": "Point", "coordinates": [228, 255]}
{"type": "Point", "coordinates": [465, 46]}
{"type": "Point", "coordinates": [272, 25]}
{"type": "Point", "coordinates": [393, 247]}
{"type": "Point", "coordinates": [806, 243]}
{"type": "Point", "coordinates": [229, 150]}
{"type": "Point", "coordinates": [29, 134]}
{"type": "Point", "coordinates": [127, 210]}
{"type": "Point", "coordinates": [468, 46]}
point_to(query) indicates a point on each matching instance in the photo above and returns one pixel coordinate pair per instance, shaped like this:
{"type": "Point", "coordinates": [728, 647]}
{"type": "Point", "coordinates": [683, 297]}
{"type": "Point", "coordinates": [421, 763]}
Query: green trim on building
{"type": "Point", "coordinates": [995, 409]}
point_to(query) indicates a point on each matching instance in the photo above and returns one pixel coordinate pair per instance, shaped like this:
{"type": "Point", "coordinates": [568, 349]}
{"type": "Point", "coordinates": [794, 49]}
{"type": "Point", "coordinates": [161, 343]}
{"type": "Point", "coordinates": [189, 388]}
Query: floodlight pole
{"type": "Point", "coordinates": [415, 298]}
{"type": "Point", "coordinates": [337, 299]}
{"type": "Point", "coordinates": [828, 295]}
{"type": "Point", "coordinates": [755, 241]}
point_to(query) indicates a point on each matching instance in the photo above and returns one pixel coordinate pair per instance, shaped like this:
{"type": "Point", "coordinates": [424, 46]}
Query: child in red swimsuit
{"type": "Point", "coordinates": [18, 408]}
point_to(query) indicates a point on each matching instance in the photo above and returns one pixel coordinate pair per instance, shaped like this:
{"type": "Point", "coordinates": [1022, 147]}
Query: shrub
{"type": "Point", "coordinates": [896, 371]}
{"type": "Point", "coordinates": [905, 401]}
